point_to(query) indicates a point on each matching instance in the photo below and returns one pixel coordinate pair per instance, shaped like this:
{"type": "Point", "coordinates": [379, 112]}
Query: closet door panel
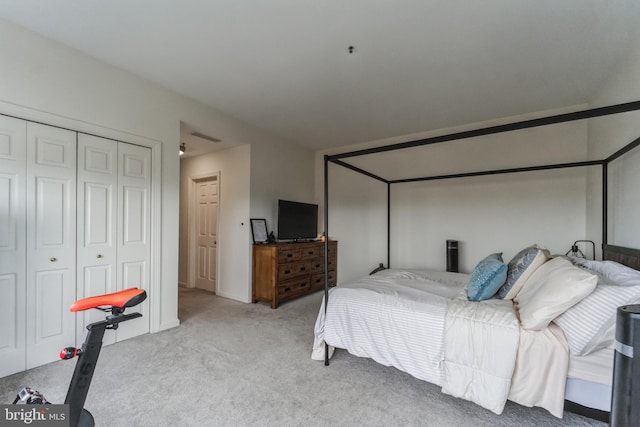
{"type": "Point", "coordinates": [13, 135]}
{"type": "Point", "coordinates": [52, 213]}
{"type": "Point", "coordinates": [134, 273]}
{"type": "Point", "coordinates": [135, 213]}
{"type": "Point", "coordinates": [50, 291]}
{"type": "Point", "coordinates": [51, 241]}
{"type": "Point", "coordinates": [97, 215]}
{"type": "Point", "coordinates": [134, 189]}
{"type": "Point", "coordinates": [9, 332]}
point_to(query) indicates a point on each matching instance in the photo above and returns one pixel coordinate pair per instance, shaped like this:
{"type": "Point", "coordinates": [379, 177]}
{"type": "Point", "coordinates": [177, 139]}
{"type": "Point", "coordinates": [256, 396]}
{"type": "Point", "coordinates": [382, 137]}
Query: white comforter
{"type": "Point", "coordinates": [397, 318]}
{"type": "Point", "coordinates": [481, 344]}
{"type": "Point", "coordinates": [489, 358]}
{"type": "Point", "coordinates": [393, 317]}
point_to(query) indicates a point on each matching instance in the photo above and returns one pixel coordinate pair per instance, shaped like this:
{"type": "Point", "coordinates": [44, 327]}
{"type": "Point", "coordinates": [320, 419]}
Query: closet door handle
{"type": "Point", "coordinates": [99, 256]}
{"type": "Point", "coordinates": [53, 259]}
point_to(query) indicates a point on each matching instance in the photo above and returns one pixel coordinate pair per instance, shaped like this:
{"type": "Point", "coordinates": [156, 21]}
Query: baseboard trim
{"type": "Point", "coordinates": [168, 325]}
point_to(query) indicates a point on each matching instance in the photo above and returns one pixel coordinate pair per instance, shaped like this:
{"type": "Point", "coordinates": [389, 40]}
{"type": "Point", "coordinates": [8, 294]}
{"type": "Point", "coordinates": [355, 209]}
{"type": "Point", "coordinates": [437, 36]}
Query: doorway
{"type": "Point", "coordinates": [203, 231]}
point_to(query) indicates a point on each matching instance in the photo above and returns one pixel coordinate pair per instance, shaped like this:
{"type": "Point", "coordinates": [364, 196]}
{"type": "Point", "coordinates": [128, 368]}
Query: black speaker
{"type": "Point", "coordinates": [452, 256]}
{"type": "Point", "coordinates": [626, 368]}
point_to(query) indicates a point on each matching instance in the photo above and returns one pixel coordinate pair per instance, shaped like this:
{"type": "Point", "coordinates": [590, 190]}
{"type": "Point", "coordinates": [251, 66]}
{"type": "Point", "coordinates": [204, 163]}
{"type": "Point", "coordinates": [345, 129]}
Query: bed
{"type": "Point", "coordinates": [585, 378]}
{"type": "Point", "coordinates": [418, 322]}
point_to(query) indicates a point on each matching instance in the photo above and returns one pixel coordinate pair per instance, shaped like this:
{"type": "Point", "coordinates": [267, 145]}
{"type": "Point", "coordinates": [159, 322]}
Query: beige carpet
{"type": "Point", "coordinates": [234, 364]}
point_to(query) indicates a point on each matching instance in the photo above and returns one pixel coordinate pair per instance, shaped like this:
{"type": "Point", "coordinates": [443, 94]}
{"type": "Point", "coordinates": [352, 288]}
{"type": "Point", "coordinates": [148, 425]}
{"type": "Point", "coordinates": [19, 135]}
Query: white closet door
{"type": "Point", "coordinates": [134, 249]}
{"type": "Point", "coordinates": [13, 161]}
{"type": "Point", "coordinates": [51, 241]}
{"type": "Point", "coordinates": [97, 215]}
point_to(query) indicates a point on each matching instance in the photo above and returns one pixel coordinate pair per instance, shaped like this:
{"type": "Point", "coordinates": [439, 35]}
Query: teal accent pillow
{"type": "Point", "coordinates": [487, 277]}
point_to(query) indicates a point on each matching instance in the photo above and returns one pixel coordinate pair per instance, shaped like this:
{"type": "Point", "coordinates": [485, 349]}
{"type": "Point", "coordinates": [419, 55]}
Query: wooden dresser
{"type": "Point", "coordinates": [284, 271]}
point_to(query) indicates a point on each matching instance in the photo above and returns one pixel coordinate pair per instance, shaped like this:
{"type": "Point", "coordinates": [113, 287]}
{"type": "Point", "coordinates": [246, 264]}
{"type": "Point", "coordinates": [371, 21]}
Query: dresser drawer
{"type": "Point", "coordinates": [317, 280]}
{"type": "Point", "coordinates": [317, 265]}
{"type": "Point", "coordinates": [308, 252]}
{"type": "Point", "coordinates": [332, 278]}
{"type": "Point", "coordinates": [293, 269]}
{"type": "Point", "coordinates": [333, 250]}
{"type": "Point", "coordinates": [293, 288]}
{"type": "Point", "coordinates": [288, 254]}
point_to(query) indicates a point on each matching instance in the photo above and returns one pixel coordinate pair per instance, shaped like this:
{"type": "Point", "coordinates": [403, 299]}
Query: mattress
{"type": "Point", "coordinates": [596, 367]}
{"type": "Point", "coordinates": [589, 379]}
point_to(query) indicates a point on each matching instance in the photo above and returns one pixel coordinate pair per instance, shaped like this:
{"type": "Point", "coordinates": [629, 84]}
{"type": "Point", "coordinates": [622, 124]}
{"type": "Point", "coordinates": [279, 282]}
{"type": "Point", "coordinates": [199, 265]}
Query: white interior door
{"type": "Point", "coordinates": [51, 242]}
{"type": "Point", "coordinates": [13, 161]}
{"type": "Point", "coordinates": [134, 229]}
{"type": "Point", "coordinates": [206, 233]}
{"type": "Point", "coordinates": [97, 213]}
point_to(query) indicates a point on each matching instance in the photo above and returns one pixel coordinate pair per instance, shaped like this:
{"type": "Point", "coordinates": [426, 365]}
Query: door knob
{"type": "Point", "coordinates": [53, 259]}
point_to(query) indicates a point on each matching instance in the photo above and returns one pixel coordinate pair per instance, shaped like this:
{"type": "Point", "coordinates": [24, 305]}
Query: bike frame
{"type": "Point", "coordinates": [86, 364]}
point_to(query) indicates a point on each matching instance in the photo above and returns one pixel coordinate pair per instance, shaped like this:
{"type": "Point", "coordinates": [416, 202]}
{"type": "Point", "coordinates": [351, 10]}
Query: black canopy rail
{"type": "Point", "coordinates": [525, 124]}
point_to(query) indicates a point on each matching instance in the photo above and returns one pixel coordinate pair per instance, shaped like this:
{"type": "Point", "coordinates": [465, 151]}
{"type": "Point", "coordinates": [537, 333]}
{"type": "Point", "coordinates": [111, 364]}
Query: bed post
{"type": "Point", "coordinates": [605, 200]}
{"type": "Point", "coordinates": [326, 248]}
{"type": "Point", "coordinates": [388, 225]}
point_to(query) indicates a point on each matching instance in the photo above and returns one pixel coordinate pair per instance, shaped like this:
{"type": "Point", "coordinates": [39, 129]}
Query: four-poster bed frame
{"type": "Point", "coordinates": [338, 159]}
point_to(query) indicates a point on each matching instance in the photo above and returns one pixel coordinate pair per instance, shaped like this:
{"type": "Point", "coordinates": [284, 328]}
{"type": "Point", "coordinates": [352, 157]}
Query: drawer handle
{"type": "Point", "coordinates": [303, 268]}
{"type": "Point", "coordinates": [287, 271]}
{"type": "Point", "coordinates": [310, 253]}
{"type": "Point", "coordinates": [289, 255]}
{"type": "Point", "coordinates": [287, 289]}
{"type": "Point", "coordinates": [302, 285]}
{"type": "Point", "coordinates": [99, 256]}
{"type": "Point", "coordinates": [53, 259]}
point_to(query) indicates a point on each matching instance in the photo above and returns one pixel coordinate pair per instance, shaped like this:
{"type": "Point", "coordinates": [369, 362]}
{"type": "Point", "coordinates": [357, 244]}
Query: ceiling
{"type": "Point", "coordinates": [285, 66]}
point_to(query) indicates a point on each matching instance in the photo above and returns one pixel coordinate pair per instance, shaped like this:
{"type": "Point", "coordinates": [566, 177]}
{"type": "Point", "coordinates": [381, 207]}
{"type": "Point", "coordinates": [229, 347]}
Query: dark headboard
{"type": "Point", "coordinates": [627, 256]}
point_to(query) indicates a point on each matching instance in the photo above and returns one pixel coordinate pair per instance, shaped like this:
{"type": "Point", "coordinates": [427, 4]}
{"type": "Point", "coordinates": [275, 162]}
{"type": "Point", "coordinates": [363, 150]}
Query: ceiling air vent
{"type": "Point", "coordinates": [203, 136]}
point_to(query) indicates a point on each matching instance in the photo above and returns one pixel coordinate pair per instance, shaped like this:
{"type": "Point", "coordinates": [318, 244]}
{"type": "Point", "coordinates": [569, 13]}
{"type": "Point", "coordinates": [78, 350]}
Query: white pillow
{"type": "Point", "coordinates": [588, 324]}
{"type": "Point", "coordinates": [554, 287]}
{"type": "Point", "coordinates": [615, 272]}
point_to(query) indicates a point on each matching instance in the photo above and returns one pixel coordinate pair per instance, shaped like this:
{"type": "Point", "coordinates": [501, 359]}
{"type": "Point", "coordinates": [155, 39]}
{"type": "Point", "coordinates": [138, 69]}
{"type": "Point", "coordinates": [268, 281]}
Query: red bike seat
{"type": "Point", "coordinates": [125, 298]}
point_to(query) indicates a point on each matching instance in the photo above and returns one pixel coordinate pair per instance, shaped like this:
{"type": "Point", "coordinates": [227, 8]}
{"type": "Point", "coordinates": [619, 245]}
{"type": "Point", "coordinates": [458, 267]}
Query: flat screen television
{"type": "Point", "coordinates": [297, 221]}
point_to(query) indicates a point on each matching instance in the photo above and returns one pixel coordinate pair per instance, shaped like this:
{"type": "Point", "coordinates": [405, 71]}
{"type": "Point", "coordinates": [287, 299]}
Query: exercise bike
{"type": "Point", "coordinates": [114, 304]}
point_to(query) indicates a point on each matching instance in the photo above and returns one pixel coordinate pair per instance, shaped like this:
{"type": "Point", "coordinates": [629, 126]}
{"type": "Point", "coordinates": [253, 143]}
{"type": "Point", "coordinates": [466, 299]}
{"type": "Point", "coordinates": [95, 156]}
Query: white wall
{"type": "Point", "coordinates": [279, 171]}
{"type": "Point", "coordinates": [358, 220]}
{"type": "Point", "coordinates": [607, 135]}
{"type": "Point", "coordinates": [50, 82]}
{"type": "Point", "coordinates": [502, 213]}
{"type": "Point", "coordinates": [234, 236]}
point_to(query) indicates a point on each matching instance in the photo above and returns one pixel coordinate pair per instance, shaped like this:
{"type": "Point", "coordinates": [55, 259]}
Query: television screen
{"type": "Point", "coordinates": [297, 221]}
